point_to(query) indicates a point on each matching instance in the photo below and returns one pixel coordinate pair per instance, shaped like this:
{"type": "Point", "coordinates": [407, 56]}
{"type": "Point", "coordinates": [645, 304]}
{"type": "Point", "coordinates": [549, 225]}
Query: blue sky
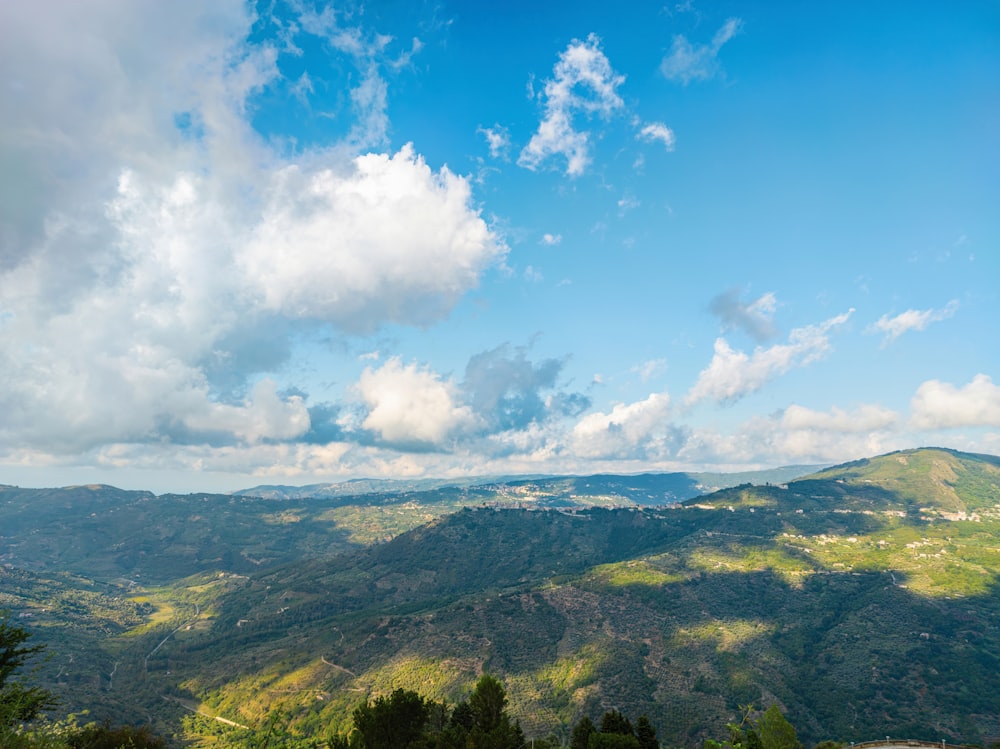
{"type": "Point", "coordinates": [291, 242]}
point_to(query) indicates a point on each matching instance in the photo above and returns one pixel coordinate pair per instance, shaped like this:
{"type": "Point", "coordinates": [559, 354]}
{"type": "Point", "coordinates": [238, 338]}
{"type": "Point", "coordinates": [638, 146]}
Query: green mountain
{"type": "Point", "coordinates": [108, 533]}
{"type": "Point", "coordinates": [934, 480]}
{"type": "Point", "coordinates": [863, 599]}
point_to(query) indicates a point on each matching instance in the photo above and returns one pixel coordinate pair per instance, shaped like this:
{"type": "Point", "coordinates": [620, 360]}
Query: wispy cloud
{"type": "Point", "coordinates": [649, 369]}
{"type": "Point", "coordinates": [755, 318]}
{"type": "Point", "coordinates": [688, 62]}
{"type": "Point", "coordinates": [657, 132]}
{"type": "Point", "coordinates": [370, 51]}
{"type": "Point", "coordinates": [627, 203]}
{"type": "Point", "coordinates": [732, 374]}
{"type": "Point", "coordinates": [798, 434]}
{"type": "Point", "coordinates": [912, 319]}
{"type": "Point", "coordinates": [551, 239]}
{"type": "Point", "coordinates": [498, 140]}
{"type": "Point", "coordinates": [583, 82]}
{"type": "Point", "coordinates": [866, 418]}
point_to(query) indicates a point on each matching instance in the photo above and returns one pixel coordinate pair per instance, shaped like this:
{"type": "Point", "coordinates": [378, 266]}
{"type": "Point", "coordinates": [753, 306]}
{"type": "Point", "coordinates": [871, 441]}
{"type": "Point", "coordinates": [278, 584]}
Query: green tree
{"type": "Point", "coordinates": [612, 741]}
{"type": "Point", "coordinates": [775, 731]}
{"type": "Point", "coordinates": [487, 702]}
{"type": "Point", "coordinates": [96, 736]}
{"type": "Point", "coordinates": [646, 734]}
{"type": "Point", "coordinates": [336, 741]}
{"type": "Point", "coordinates": [492, 727]}
{"type": "Point", "coordinates": [580, 736]}
{"type": "Point", "coordinates": [462, 716]}
{"type": "Point", "coordinates": [831, 744]}
{"type": "Point", "coordinates": [614, 722]}
{"type": "Point", "coordinates": [19, 703]}
{"type": "Point", "coordinates": [393, 722]}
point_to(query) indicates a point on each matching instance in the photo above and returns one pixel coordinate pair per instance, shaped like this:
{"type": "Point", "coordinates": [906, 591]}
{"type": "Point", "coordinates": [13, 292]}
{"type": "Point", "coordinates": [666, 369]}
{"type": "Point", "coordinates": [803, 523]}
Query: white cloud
{"type": "Point", "coordinates": [411, 406]}
{"type": "Point", "coordinates": [263, 416]}
{"type": "Point", "coordinates": [734, 374]}
{"type": "Point", "coordinates": [894, 327]}
{"type": "Point", "coordinates": [157, 256]}
{"type": "Point", "coordinates": [657, 131]}
{"type": "Point", "coordinates": [687, 62]}
{"type": "Point", "coordinates": [389, 241]}
{"type": "Point", "coordinates": [941, 405]}
{"type": "Point", "coordinates": [799, 435]}
{"type": "Point", "coordinates": [77, 105]}
{"type": "Point", "coordinates": [551, 239]}
{"type": "Point", "coordinates": [628, 431]}
{"type": "Point", "coordinates": [583, 82]}
{"type": "Point", "coordinates": [498, 140]}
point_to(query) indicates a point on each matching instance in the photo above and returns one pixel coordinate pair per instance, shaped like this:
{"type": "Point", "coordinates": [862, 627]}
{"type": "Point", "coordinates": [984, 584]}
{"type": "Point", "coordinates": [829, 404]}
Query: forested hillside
{"type": "Point", "coordinates": [862, 600]}
{"type": "Point", "coordinates": [107, 533]}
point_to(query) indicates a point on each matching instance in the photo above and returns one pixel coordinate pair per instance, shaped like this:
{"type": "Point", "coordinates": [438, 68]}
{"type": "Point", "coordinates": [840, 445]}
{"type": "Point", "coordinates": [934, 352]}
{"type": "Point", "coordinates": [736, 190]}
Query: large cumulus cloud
{"type": "Point", "coordinates": [159, 257]}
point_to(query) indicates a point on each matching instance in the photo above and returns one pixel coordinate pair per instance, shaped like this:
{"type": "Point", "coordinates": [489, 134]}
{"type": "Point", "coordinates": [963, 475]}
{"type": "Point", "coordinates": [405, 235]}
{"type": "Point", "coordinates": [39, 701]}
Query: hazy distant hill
{"type": "Point", "coordinates": [647, 489]}
{"type": "Point", "coordinates": [643, 489]}
{"type": "Point", "coordinates": [106, 533]}
{"type": "Point", "coordinates": [357, 487]}
{"type": "Point", "coordinates": [863, 598]}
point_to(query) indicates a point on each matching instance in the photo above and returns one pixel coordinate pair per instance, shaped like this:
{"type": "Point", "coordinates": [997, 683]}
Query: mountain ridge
{"type": "Point", "coordinates": [708, 479]}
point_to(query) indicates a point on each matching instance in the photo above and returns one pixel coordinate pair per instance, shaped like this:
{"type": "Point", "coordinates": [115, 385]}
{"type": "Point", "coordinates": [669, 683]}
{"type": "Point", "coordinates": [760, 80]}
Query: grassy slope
{"type": "Point", "coordinates": [945, 480]}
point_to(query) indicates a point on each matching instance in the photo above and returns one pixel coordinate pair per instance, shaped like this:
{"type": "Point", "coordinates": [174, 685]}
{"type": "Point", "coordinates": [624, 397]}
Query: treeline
{"type": "Point", "coordinates": [616, 732]}
{"type": "Point", "coordinates": [406, 720]}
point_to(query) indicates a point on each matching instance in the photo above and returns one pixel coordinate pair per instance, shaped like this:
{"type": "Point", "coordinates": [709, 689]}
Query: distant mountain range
{"type": "Point", "coordinates": [643, 489]}
{"type": "Point", "coordinates": [105, 532]}
{"type": "Point", "coordinates": [862, 598]}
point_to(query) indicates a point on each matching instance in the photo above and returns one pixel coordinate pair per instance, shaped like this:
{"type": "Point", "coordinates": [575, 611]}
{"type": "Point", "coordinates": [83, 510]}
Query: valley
{"type": "Point", "coordinates": [863, 599]}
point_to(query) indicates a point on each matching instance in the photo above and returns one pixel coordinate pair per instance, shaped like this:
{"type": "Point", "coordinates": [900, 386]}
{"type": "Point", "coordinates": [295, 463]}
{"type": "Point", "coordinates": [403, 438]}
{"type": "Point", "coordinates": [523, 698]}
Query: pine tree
{"type": "Point", "coordinates": [646, 734]}
{"type": "Point", "coordinates": [19, 703]}
{"type": "Point", "coordinates": [614, 722]}
{"type": "Point", "coordinates": [580, 736]}
{"type": "Point", "coordinates": [393, 722]}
